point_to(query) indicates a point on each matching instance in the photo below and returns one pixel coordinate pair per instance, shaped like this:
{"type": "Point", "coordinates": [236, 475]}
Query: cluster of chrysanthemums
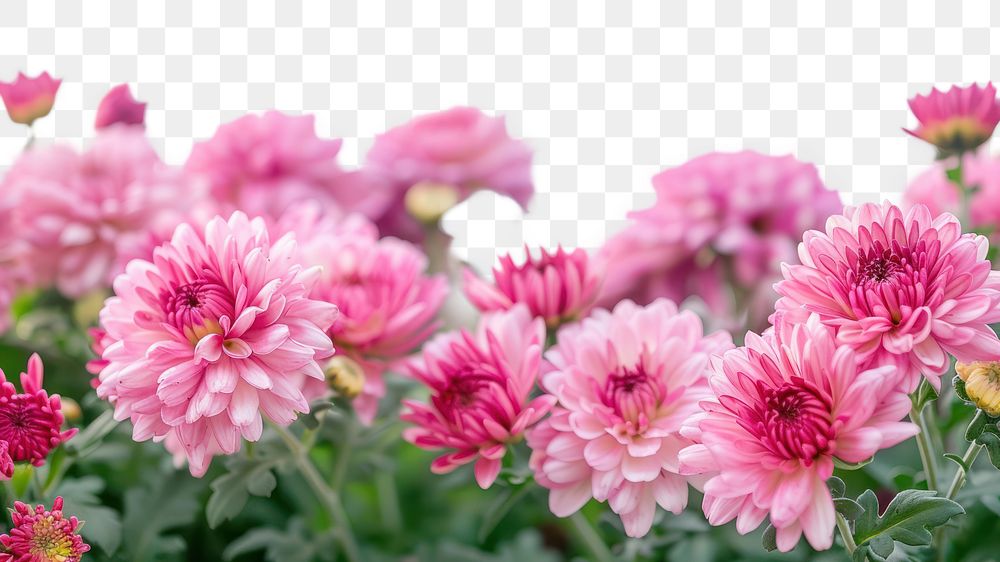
{"type": "Point", "coordinates": [262, 275]}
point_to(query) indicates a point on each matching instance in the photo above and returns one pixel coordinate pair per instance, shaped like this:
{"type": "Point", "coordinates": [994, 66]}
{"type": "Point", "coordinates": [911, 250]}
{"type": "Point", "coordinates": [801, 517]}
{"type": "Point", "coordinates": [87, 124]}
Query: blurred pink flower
{"type": "Point", "coordinates": [217, 330]}
{"type": "Point", "coordinates": [118, 106]}
{"type": "Point", "coordinates": [31, 421]}
{"type": "Point", "coordinates": [783, 409]}
{"type": "Point", "coordinates": [28, 99]}
{"type": "Point", "coordinates": [906, 290]}
{"type": "Point", "coordinates": [40, 535]}
{"type": "Point", "coordinates": [625, 382]}
{"type": "Point", "coordinates": [263, 164]}
{"type": "Point", "coordinates": [558, 287]}
{"type": "Point", "coordinates": [480, 387]}
{"type": "Point", "coordinates": [462, 148]}
{"type": "Point", "coordinates": [933, 189]}
{"type": "Point", "coordinates": [956, 121]}
{"type": "Point", "coordinates": [73, 211]}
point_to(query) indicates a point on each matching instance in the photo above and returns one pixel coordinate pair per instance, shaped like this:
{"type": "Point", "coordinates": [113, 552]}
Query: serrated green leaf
{"type": "Point", "coordinates": [231, 491]}
{"type": "Point", "coordinates": [976, 426]}
{"type": "Point", "coordinates": [849, 508]}
{"type": "Point", "coordinates": [837, 487]}
{"type": "Point", "coordinates": [907, 519]}
{"type": "Point", "coordinates": [992, 444]}
{"type": "Point", "coordinates": [769, 540]}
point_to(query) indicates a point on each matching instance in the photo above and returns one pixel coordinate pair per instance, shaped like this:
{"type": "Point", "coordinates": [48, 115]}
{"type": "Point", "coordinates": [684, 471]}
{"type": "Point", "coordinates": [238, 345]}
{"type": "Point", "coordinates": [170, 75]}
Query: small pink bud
{"type": "Point", "coordinates": [28, 99]}
{"type": "Point", "coordinates": [118, 106]}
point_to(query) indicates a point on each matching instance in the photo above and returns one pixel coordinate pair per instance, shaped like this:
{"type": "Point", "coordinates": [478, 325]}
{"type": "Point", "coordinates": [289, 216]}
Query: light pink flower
{"type": "Point", "coordinates": [40, 535]}
{"type": "Point", "coordinates": [118, 106]}
{"type": "Point", "coordinates": [388, 304]}
{"type": "Point", "coordinates": [460, 147]}
{"type": "Point", "coordinates": [956, 121]}
{"type": "Point", "coordinates": [217, 330]}
{"type": "Point", "coordinates": [480, 387]}
{"type": "Point", "coordinates": [558, 287]}
{"type": "Point", "coordinates": [28, 99]}
{"type": "Point", "coordinates": [30, 421]}
{"type": "Point", "coordinates": [933, 189]}
{"type": "Point", "coordinates": [73, 211]}
{"type": "Point", "coordinates": [901, 289]}
{"type": "Point", "coordinates": [625, 382]}
{"type": "Point", "coordinates": [263, 164]}
{"type": "Point", "coordinates": [784, 407]}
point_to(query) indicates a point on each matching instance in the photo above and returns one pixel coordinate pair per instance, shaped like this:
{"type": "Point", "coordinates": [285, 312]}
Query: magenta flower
{"type": "Point", "coordinates": [212, 334]}
{"type": "Point", "coordinates": [557, 287]}
{"type": "Point", "coordinates": [906, 290]}
{"type": "Point", "coordinates": [956, 121]}
{"type": "Point", "coordinates": [28, 99]}
{"type": "Point", "coordinates": [461, 148]}
{"type": "Point", "coordinates": [40, 535]}
{"type": "Point", "coordinates": [625, 382]}
{"type": "Point", "coordinates": [118, 106]}
{"type": "Point", "coordinates": [31, 421]}
{"type": "Point", "coordinates": [784, 407]}
{"type": "Point", "coordinates": [263, 164]}
{"type": "Point", "coordinates": [74, 212]}
{"type": "Point", "coordinates": [480, 387]}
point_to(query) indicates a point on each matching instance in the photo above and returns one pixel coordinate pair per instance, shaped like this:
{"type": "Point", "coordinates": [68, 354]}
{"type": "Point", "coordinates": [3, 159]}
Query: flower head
{"type": "Point", "coordinates": [933, 189]}
{"type": "Point", "coordinates": [28, 99]}
{"type": "Point", "coordinates": [118, 106]}
{"type": "Point", "coordinates": [557, 287]}
{"type": "Point", "coordinates": [30, 421]}
{"type": "Point", "coordinates": [785, 406]}
{"type": "Point", "coordinates": [982, 384]}
{"type": "Point", "coordinates": [625, 382]}
{"type": "Point", "coordinates": [480, 387]}
{"type": "Point", "coordinates": [215, 332]}
{"type": "Point", "coordinates": [902, 289]}
{"type": "Point", "coordinates": [461, 148]}
{"type": "Point", "coordinates": [40, 535]}
{"type": "Point", "coordinates": [956, 121]}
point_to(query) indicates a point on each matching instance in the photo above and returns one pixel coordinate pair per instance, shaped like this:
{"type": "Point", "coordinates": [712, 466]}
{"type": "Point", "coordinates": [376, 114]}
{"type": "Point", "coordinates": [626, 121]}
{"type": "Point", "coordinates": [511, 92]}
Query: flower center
{"type": "Point", "coordinates": [631, 392]}
{"type": "Point", "coordinates": [50, 542]}
{"type": "Point", "coordinates": [465, 389]}
{"type": "Point", "coordinates": [195, 308]}
{"type": "Point", "coordinates": [879, 268]}
{"type": "Point", "coordinates": [792, 421]}
{"type": "Point", "coordinates": [24, 428]}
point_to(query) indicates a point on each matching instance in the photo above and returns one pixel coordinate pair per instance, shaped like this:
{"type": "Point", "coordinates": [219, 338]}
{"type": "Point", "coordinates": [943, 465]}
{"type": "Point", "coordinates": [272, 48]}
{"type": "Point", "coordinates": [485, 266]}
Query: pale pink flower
{"type": "Point", "coordinates": [31, 421]}
{"type": "Point", "coordinates": [558, 287]}
{"type": "Point", "coordinates": [785, 405]}
{"type": "Point", "coordinates": [480, 385]}
{"type": "Point", "coordinates": [901, 289]}
{"type": "Point", "coordinates": [118, 106]}
{"type": "Point", "coordinates": [625, 382]}
{"type": "Point", "coordinates": [462, 148]}
{"type": "Point", "coordinates": [74, 211]}
{"type": "Point", "coordinates": [41, 535]}
{"type": "Point", "coordinates": [216, 331]}
{"type": "Point", "coordinates": [28, 99]}
{"type": "Point", "coordinates": [956, 121]}
{"type": "Point", "coordinates": [933, 189]}
{"type": "Point", "coordinates": [263, 164]}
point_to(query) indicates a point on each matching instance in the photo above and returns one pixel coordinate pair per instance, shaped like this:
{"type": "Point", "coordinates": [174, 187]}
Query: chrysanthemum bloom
{"type": "Point", "coordinates": [217, 330]}
{"type": "Point", "coordinates": [263, 164]}
{"type": "Point", "coordinates": [461, 148]}
{"type": "Point", "coordinates": [956, 121]}
{"type": "Point", "coordinates": [902, 289]}
{"type": "Point", "coordinates": [480, 387]}
{"type": "Point", "coordinates": [28, 99]}
{"type": "Point", "coordinates": [783, 410]}
{"type": "Point", "coordinates": [31, 421]}
{"type": "Point", "coordinates": [934, 189]}
{"type": "Point", "coordinates": [40, 535]}
{"type": "Point", "coordinates": [557, 287]}
{"type": "Point", "coordinates": [73, 210]}
{"type": "Point", "coordinates": [982, 384]}
{"type": "Point", "coordinates": [625, 382]}
{"type": "Point", "coordinates": [118, 106]}
{"type": "Point", "coordinates": [720, 226]}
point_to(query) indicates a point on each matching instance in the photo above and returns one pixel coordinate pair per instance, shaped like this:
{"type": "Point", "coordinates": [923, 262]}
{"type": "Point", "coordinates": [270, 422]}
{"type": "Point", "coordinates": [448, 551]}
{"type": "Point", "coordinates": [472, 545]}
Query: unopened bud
{"type": "Point", "coordinates": [982, 384]}
{"type": "Point", "coordinates": [429, 201]}
{"type": "Point", "coordinates": [345, 376]}
{"type": "Point", "coordinates": [70, 409]}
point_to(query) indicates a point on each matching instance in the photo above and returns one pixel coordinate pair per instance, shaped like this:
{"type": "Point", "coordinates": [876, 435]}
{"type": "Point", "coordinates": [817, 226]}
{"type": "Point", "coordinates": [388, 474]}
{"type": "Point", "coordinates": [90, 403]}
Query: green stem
{"type": "Point", "coordinates": [845, 533]}
{"type": "Point", "coordinates": [957, 177]}
{"type": "Point", "coordinates": [598, 550]}
{"type": "Point", "coordinates": [925, 447]}
{"type": "Point", "coordinates": [330, 498]}
{"type": "Point", "coordinates": [960, 476]}
{"type": "Point", "coordinates": [388, 501]}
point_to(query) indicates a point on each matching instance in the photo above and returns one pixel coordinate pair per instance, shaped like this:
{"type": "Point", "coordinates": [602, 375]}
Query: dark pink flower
{"type": "Point", "coordinates": [40, 535]}
{"type": "Point", "coordinates": [118, 106]}
{"type": "Point", "coordinates": [31, 421]}
{"type": "Point", "coordinates": [956, 121]}
{"type": "Point", "coordinates": [28, 99]}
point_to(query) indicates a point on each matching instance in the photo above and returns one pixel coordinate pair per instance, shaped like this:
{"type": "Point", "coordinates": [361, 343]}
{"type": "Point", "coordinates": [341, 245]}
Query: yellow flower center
{"type": "Point", "coordinates": [982, 384]}
{"type": "Point", "coordinates": [49, 543]}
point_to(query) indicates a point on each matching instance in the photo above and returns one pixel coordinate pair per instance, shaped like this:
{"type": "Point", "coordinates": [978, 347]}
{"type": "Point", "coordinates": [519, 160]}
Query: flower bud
{"type": "Point", "coordinates": [429, 201]}
{"type": "Point", "coordinates": [982, 384]}
{"type": "Point", "coordinates": [345, 376]}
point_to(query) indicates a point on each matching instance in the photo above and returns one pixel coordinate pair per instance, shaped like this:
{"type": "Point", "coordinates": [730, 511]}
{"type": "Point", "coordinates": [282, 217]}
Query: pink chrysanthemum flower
{"type": "Point", "coordinates": [388, 304]}
{"type": "Point", "coordinates": [263, 164]}
{"type": "Point", "coordinates": [625, 382]}
{"type": "Point", "coordinates": [31, 421]}
{"type": "Point", "coordinates": [933, 189]}
{"type": "Point", "coordinates": [558, 287]}
{"type": "Point", "coordinates": [28, 99]}
{"type": "Point", "coordinates": [461, 148]}
{"type": "Point", "coordinates": [784, 407]}
{"type": "Point", "coordinates": [956, 121]}
{"type": "Point", "coordinates": [40, 535]}
{"type": "Point", "coordinates": [118, 106]}
{"type": "Point", "coordinates": [217, 330]}
{"type": "Point", "coordinates": [480, 388]}
{"type": "Point", "coordinates": [902, 289]}
{"type": "Point", "coordinates": [74, 211]}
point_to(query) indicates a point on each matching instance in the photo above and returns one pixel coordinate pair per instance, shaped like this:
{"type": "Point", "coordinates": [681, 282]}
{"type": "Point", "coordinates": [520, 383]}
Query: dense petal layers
{"type": "Point", "coordinates": [956, 121]}
{"type": "Point", "coordinates": [42, 535]}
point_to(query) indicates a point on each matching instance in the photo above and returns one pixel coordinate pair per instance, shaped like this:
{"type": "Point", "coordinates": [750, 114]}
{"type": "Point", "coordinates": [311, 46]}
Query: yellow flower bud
{"type": "Point", "coordinates": [429, 201]}
{"type": "Point", "coordinates": [982, 384]}
{"type": "Point", "coordinates": [345, 376]}
{"type": "Point", "coordinates": [70, 409]}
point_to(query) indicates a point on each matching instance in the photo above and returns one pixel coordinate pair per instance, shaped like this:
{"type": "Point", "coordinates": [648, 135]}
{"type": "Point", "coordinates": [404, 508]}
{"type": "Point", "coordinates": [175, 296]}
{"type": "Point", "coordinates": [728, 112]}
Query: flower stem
{"type": "Point", "coordinates": [845, 533]}
{"type": "Point", "coordinates": [960, 476]}
{"type": "Point", "coordinates": [329, 497]}
{"type": "Point", "coordinates": [598, 550]}
{"type": "Point", "coordinates": [925, 447]}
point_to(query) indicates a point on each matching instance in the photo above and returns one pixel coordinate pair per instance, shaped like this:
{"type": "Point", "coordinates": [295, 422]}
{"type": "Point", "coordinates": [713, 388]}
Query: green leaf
{"type": "Point", "coordinates": [851, 466]}
{"type": "Point", "coordinates": [959, 385]}
{"type": "Point", "coordinates": [769, 540]}
{"type": "Point", "coordinates": [103, 524]}
{"type": "Point", "coordinates": [294, 544]}
{"type": "Point", "coordinates": [992, 444]}
{"type": "Point", "coordinates": [175, 497]}
{"type": "Point", "coordinates": [231, 491]}
{"type": "Point", "coordinates": [22, 479]}
{"type": "Point", "coordinates": [91, 436]}
{"type": "Point", "coordinates": [849, 508]}
{"type": "Point", "coordinates": [976, 426]}
{"type": "Point", "coordinates": [958, 460]}
{"type": "Point", "coordinates": [837, 487]}
{"type": "Point", "coordinates": [954, 175]}
{"type": "Point", "coordinates": [907, 520]}
{"type": "Point", "coordinates": [924, 394]}
{"type": "Point", "coordinates": [505, 501]}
